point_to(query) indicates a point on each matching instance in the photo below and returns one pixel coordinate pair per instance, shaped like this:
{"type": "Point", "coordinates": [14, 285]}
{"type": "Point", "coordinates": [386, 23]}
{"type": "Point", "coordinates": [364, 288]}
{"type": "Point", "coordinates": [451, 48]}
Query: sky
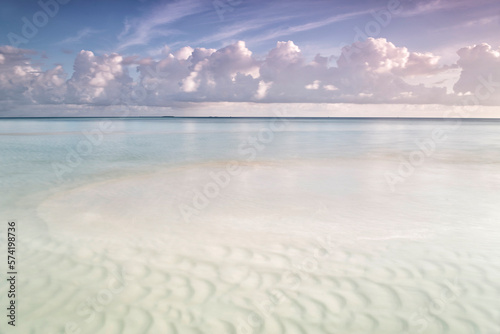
{"type": "Point", "coordinates": [88, 55]}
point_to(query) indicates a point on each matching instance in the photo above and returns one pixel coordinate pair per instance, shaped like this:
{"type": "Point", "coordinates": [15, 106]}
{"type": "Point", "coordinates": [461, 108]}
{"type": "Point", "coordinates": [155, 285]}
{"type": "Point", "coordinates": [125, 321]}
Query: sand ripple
{"type": "Point", "coordinates": [132, 266]}
{"type": "Point", "coordinates": [233, 289]}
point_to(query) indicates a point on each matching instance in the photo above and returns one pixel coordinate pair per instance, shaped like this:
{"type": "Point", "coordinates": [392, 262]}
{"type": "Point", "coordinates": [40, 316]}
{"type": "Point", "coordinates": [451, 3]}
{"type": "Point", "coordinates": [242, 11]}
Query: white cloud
{"type": "Point", "coordinates": [381, 56]}
{"type": "Point", "coordinates": [80, 35]}
{"type": "Point", "coordinates": [420, 7]}
{"type": "Point", "coordinates": [314, 85]}
{"type": "Point", "coordinates": [141, 31]}
{"type": "Point", "coordinates": [23, 82]}
{"type": "Point", "coordinates": [480, 74]}
{"type": "Point", "coordinates": [292, 77]}
{"type": "Point", "coordinates": [191, 83]}
{"type": "Point", "coordinates": [330, 87]}
{"type": "Point", "coordinates": [376, 71]}
{"type": "Point", "coordinates": [273, 35]}
{"type": "Point", "coordinates": [378, 67]}
{"type": "Point", "coordinates": [49, 86]}
{"type": "Point", "coordinates": [98, 79]}
{"type": "Point", "coordinates": [262, 89]}
{"type": "Point", "coordinates": [230, 73]}
{"type": "Point", "coordinates": [184, 53]}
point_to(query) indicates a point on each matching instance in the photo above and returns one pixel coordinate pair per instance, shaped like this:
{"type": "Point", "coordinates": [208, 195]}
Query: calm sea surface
{"type": "Point", "coordinates": [427, 170]}
{"type": "Point", "coordinates": [209, 215]}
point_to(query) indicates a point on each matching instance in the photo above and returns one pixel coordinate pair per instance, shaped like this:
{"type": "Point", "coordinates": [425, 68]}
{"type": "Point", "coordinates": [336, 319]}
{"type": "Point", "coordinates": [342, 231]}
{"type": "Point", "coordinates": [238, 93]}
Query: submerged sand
{"type": "Point", "coordinates": [119, 257]}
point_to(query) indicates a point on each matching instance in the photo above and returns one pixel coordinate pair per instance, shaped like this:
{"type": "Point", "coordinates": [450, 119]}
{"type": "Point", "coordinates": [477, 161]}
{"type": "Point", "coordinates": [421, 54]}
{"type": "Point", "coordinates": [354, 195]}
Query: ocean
{"type": "Point", "coordinates": [253, 225]}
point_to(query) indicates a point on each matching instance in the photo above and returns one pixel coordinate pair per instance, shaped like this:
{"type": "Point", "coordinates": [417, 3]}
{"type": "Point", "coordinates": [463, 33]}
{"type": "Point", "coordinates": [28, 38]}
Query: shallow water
{"type": "Point", "coordinates": [254, 225]}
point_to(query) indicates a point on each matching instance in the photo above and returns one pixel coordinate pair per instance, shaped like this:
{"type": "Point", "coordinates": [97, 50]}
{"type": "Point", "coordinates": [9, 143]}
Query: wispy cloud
{"type": "Point", "coordinates": [81, 35]}
{"type": "Point", "coordinates": [483, 21]}
{"type": "Point", "coordinates": [140, 31]}
{"type": "Point", "coordinates": [473, 23]}
{"type": "Point", "coordinates": [238, 29]}
{"type": "Point", "coordinates": [306, 27]}
{"type": "Point", "coordinates": [420, 7]}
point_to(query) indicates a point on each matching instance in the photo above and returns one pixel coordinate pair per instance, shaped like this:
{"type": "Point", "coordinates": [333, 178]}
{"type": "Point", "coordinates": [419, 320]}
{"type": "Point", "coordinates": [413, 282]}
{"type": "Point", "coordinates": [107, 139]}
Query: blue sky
{"type": "Point", "coordinates": [316, 26]}
{"type": "Point", "coordinates": [145, 32]}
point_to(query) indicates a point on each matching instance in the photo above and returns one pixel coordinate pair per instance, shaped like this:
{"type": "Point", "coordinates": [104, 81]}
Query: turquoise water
{"type": "Point", "coordinates": [411, 205]}
{"type": "Point", "coordinates": [40, 156]}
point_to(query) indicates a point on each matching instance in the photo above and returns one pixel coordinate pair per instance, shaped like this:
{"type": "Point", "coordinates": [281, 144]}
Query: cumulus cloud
{"type": "Point", "coordinates": [480, 74]}
{"type": "Point", "coordinates": [381, 56]}
{"type": "Point", "coordinates": [370, 71]}
{"type": "Point", "coordinates": [16, 72]}
{"type": "Point", "coordinates": [227, 74]}
{"type": "Point", "coordinates": [376, 68]}
{"type": "Point", "coordinates": [98, 79]}
{"type": "Point", "coordinates": [293, 78]}
{"type": "Point", "coordinates": [48, 87]}
{"type": "Point", "coordinates": [23, 82]}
